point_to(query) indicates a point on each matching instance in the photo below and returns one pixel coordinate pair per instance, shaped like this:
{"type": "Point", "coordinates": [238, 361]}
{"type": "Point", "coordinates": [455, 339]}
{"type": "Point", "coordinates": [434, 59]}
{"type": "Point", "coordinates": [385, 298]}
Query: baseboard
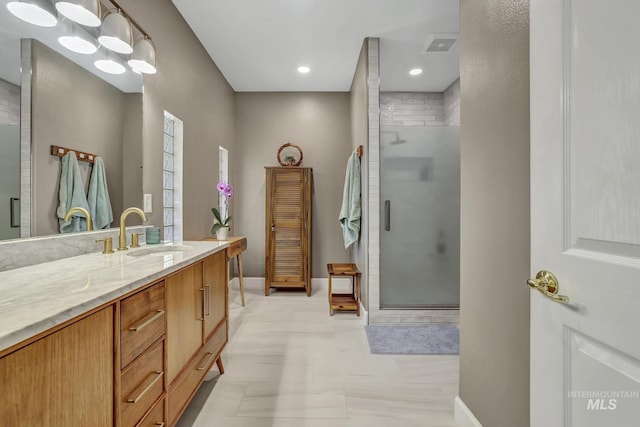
{"type": "Point", "coordinates": [463, 415]}
{"type": "Point", "coordinates": [249, 283]}
{"type": "Point", "coordinates": [338, 284]}
{"type": "Point", "coordinates": [364, 314]}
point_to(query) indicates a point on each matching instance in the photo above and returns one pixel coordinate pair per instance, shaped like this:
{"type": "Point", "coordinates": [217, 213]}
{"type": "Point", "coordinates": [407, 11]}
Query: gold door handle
{"type": "Point", "coordinates": [154, 315]}
{"type": "Point", "coordinates": [145, 389]}
{"type": "Point", "coordinates": [547, 283]}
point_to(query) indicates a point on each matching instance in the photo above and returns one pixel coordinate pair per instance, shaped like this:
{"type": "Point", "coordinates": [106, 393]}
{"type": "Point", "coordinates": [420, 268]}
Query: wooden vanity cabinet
{"type": "Point", "coordinates": [137, 361]}
{"type": "Point", "coordinates": [184, 318]}
{"type": "Point", "coordinates": [62, 379]}
{"type": "Point", "coordinates": [142, 353]}
{"type": "Point", "coordinates": [215, 284]}
{"type": "Point", "coordinates": [197, 327]}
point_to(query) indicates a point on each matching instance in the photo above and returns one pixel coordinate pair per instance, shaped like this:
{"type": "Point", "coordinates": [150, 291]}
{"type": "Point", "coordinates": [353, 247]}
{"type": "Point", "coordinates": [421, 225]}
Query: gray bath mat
{"type": "Point", "coordinates": [422, 339]}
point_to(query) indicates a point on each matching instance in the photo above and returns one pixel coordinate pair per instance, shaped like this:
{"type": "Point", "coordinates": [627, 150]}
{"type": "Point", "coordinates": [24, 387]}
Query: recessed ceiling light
{"type": "Point", "coordinates": [415, 71]}
{"type": "Point", "coordinates": [304, 69]}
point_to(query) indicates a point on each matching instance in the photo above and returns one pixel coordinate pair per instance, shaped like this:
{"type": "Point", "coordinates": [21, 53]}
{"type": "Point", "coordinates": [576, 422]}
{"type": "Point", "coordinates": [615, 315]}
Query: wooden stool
{"type": "Point", "coordinates": [345, 301]}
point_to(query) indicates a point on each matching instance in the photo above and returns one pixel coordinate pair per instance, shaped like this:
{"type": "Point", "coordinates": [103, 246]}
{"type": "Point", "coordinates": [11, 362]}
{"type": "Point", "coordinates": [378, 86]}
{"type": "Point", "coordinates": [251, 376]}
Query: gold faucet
{"type": "Point", "coordinates": [86, 215]}
{"type": "Point", "coordinates": [122, 244]}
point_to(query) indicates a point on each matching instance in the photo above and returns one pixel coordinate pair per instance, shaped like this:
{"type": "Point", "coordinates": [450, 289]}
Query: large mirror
{"type": "Point", "coordinates": [53, 96]}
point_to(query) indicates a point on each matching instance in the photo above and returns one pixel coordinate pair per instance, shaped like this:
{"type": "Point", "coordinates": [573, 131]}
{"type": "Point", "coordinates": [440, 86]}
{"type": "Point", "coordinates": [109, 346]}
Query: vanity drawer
{"type": "Point", "coordinates": [142, 383]}
{"type": "Point", "coordinates": [187, 382]}
{"type": "Point", "coordinates": [155, 417]}
{"type": "Point", "coordinates": [142, 322]}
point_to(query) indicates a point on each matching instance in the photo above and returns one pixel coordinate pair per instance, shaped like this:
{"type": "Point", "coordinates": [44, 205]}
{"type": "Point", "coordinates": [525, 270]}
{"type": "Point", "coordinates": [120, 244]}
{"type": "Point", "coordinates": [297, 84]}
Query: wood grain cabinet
{"type": "Point", "coordinates": [288, 228]}
{"type": "Point", "coordinates": [142, 350]}
{"type": "Point", "coordinates": [197, 306]}
{"type": "Point", "coordinates": [63, 379]}
{"type": "Point", "coordinates": [136, 361]}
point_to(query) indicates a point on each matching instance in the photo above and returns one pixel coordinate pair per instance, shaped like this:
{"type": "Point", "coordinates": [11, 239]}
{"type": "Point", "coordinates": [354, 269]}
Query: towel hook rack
{"type": "Point", "coordinates": [80, 155]}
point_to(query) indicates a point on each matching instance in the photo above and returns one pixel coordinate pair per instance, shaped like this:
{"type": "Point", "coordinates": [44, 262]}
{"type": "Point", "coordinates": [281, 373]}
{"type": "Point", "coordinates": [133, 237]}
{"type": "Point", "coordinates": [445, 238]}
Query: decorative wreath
{"type": "Point", "coordinates": [289, 155]}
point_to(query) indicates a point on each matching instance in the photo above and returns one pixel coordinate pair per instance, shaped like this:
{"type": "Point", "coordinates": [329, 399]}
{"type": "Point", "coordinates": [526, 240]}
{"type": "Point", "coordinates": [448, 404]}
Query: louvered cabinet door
{"type": "Point", "coordinates": [288, 228]}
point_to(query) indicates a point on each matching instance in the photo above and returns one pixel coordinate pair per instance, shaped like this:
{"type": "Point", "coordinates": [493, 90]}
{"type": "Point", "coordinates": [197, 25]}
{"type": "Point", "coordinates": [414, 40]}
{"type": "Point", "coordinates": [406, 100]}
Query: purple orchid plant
{"type": "Point", "coordinates": [226, 190]}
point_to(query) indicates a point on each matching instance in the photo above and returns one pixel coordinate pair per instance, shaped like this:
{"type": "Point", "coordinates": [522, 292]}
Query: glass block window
{"type": "Point", "coordinates": [168, 177]}
{"type": "Point", "coordinates": [223, 175]}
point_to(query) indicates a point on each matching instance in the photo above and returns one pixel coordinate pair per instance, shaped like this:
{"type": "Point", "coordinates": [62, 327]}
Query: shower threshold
{"type": "Point", "coordinates": [421, 307]}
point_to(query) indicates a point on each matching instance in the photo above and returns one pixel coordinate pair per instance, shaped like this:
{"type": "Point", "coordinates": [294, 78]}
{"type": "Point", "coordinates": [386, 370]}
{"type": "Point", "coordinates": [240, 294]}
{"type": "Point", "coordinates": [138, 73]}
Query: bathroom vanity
{"type": "Point", "coordinates": [123, 339]}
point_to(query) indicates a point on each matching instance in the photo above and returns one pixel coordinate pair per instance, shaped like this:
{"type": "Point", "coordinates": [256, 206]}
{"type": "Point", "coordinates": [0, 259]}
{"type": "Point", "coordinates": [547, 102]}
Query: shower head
{"type": "Point", "coordinates": [397, 140]}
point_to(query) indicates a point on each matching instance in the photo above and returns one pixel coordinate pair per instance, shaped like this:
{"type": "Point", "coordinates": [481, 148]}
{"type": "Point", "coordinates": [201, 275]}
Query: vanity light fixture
{"type": "Point", "coordinates": [109, 64]}
{"type": "Point", "coordinates": [116, 33]}
{"type": "Point", "coordinates": [415, 71]}
{"type": "Point", "coordinates": [85, 12]}
{"type": "Point", "coordinates": [36, 12]}
{"type": "Point", "coordinates": [76, 39]}
{"type": "Point", "coordinates": [143, 57]}
{"type": "Point", "coordinates": [303, 69]}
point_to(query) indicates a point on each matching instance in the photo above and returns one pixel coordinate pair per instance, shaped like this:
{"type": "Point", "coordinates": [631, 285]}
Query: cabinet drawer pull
{"type": "Point", "coordinates": [158, 375]}
{"type": "Point", "coordinates": [206, 362]}
{"type": "Point", "coordinates": [208, 299]}
{"type": "Point", "coordinates": [145, 323]}
{"type": "Point", "coordinates": [160, 423]}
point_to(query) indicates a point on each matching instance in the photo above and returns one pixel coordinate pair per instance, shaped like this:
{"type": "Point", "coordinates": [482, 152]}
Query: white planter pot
{"type": "Point", "coordinates": [222, 233]}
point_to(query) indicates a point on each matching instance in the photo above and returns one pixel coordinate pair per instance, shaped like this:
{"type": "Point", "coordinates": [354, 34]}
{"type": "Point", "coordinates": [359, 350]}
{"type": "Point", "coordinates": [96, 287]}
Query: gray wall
{"type": "Point", "coordinates": [494, 318]}
{"type": "Point", "coordinates": [75, 109]}
{"type": "Point", "coordinates": [132, 154]}
{"type": "Point", "coordinates": [359, 101]}
{"type": "Point", "coordinates": [191, 87]}
{"type": "Point", "coordinates": [320, 124]}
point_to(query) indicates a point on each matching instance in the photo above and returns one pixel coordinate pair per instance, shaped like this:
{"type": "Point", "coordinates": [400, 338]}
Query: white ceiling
{"type": "Point", "coordinates": [258, 44]}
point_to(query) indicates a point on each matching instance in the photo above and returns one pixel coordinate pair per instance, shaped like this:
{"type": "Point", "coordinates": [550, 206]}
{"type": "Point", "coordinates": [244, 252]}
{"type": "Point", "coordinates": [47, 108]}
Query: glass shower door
{"type": "Point", "coordinates": [420, 217]}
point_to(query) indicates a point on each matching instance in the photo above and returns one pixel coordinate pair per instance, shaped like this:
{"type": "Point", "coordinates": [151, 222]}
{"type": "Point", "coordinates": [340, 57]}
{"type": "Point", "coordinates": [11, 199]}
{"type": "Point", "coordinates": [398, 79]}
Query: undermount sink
{"type": "Point", "coordinates": [160, 250]}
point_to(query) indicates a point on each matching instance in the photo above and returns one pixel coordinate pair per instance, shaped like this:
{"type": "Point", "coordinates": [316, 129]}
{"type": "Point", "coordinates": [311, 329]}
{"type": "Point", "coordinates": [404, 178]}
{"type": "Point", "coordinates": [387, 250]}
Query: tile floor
{"type": "Point", "coordinates": [288, 364]}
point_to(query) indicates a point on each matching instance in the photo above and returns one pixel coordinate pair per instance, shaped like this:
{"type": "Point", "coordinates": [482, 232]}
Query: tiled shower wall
{"type": "Point", "coordinates": [421, 108]}
{"type": "Point", "coordinates": [451, 100]}
{"type": "Point", "coordinates": [9, 103]}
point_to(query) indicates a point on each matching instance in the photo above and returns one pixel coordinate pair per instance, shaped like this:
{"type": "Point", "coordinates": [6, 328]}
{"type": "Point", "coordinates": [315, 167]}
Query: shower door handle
{"type": "Point", "coordinates": [387, 215]}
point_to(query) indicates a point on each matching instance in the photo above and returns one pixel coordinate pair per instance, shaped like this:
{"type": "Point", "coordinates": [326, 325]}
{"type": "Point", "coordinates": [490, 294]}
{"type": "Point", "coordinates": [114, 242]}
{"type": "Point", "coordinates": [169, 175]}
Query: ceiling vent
{"type": "Point", "coordinates": [440, 42]}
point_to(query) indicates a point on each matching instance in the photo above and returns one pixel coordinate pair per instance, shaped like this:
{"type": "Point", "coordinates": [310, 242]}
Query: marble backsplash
{"type": "Point", "coordinates": [19, 253]}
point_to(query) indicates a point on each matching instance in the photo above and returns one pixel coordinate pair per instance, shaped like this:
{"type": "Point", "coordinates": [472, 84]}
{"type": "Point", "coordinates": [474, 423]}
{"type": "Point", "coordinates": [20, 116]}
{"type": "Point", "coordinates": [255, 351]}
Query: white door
{"type": "Point", "coordinates": [585, 207]}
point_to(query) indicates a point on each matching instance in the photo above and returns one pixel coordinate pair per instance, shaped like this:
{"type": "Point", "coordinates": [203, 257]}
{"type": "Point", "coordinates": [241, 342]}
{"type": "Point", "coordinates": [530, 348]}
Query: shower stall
{"type": "Point", "coordinates": [419, 217]}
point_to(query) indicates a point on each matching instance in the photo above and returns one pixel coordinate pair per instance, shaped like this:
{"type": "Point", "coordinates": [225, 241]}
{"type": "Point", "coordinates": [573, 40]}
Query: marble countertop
{"type": "Point", "coordinates": [39, 297]}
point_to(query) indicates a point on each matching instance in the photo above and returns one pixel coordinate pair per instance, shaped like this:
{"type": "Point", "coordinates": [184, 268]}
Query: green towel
{"type": "Point", "coordinates": [351, 210]}
{"type": "Point", "coordinates": [71, 194]}
{"type": "Point", "coordinates": [98, 198]}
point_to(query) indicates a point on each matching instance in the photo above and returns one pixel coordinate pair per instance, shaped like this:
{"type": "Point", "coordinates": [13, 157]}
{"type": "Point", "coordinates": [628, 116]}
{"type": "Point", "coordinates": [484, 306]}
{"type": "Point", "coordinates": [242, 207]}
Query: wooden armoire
{"type": "Point", "coordinates": [288, 228]}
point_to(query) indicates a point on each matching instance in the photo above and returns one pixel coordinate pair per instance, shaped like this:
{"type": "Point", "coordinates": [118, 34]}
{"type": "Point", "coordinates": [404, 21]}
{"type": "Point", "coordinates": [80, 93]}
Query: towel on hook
{"type": "Point", "coordinates": [351, 211]}
{"type": "Point", "coordinates": [98, 198]}
{"type": "Point", "coordinates": [71, 194]}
